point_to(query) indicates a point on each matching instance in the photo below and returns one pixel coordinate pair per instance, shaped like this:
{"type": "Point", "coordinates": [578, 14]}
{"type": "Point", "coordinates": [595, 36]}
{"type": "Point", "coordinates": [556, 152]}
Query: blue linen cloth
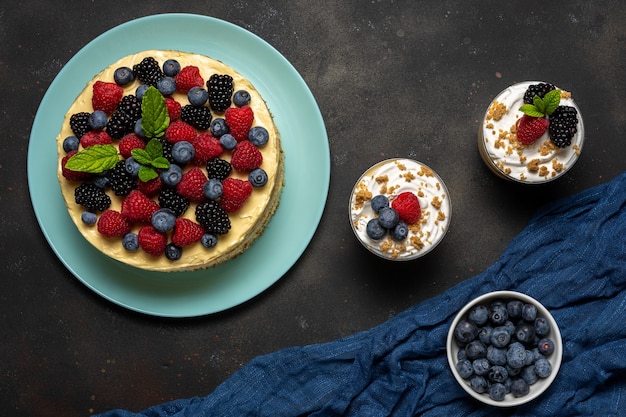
{"type": "Point", "coordinates": [571, 257]}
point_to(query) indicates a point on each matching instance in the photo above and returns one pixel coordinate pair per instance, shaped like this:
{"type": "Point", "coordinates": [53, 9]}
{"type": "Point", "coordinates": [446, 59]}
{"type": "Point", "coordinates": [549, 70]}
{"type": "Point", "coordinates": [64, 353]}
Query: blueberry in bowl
{"type": "Point", "coordinates": [504, 348]}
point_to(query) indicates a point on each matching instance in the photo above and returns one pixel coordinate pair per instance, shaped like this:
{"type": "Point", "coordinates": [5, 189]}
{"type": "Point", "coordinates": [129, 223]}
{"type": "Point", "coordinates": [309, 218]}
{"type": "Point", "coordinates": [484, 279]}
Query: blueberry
{"type": "Point", "coordinates": [460, 355]}
{"type": "Point", "coordinates": [514, 309]}
{"type": "Point", "coordinates": [497, 391]}
{"type": "Point", "coordinates": [478, 384]}
{"type": "Point", "coordinates": [481, 366]}
{"type": "Point", "coordinates": [259, 136]}
{"type": "Point", "coordinates": [399, 232]}
{"type": "Point", "coordinates": [123, 76]}
{"type": "Point", "coordinates": [464, 368]}
{"type": "Point", "coordinates": [98, 120]}
{"type": "Point", "coordinates": [378, 202]}
{"type": "Point", "coordinates": [542, 327]}
{"type": "Point", "coordinates": [213, 189]}
{"type": "Point", "coordinates": [172, 175]}
{"type": "Point", "coordinates": [70, 143]}
{"type": "Point", "coordinates": [375, 230]}
{"type": "Point", "coordinates": [241, 98]}
{"type": "Point", "coordinates": [101, 181]}
{"type": "Point", "coordinates": [138, 129]}
{"type": "Point", "coordinates": [166, 86]}
{"type": "Point", "coordinates": [529, 312]}
{"type": "Point", "coordinates": [509, 326]}
{"type": "Point", "coordinates": [465, 331]}
{"type": "Point", "coordinates": [89, 218]}
{"type": "Point", "coordinates": [257, 177]}
{"type": "Point", "coordinates": [516, 356]}
{"type": "Point", "coordinates": [197, 96]}
{"type": "Point", "coordinates": [228, 141]}
{"type": "Point", "coordinates": [500, 337]}
{"type": "Point", "coordinates": [218, 127]}
{"type": "Point", "coordinates": [163, 220]}
{"type": "Point", "coordinates": [530, 358]}
{"type": "Point", "coordinates": [479, 314]}
{"type": "Point", "coordinates": [484, 334]}
{"type": "Point", "coordinates": [519, 388]}
{"type": "Point", "coordinates": [132, 166]}
{"type": "Point", "coordinates": [171, 67]}
{"type": "Point", "coordinates": [498, 314]}
{"type": "Point", "coordinates": [141, 90]}
{"type": "Point", "coordinates": [496, 356]}
{"type": "Point", "coordinates": [388, 217]}
{"type": "Point", "coordinates": [208, 240]}
{"type": "Point", "coordinates": [130, 242]}
{"type": "Point", "coordinates": [476, 349]}
{"type": "Point", "coordinates": [173, 252]}
{"type": "Point", "coordinates": [525, 333]}
{"type": "Point", "coordinates": [529, 375]}
{"type": "Point", "coordinates": [545, 346]}
{"type": "Point", "coordinates": [543, 368]}
{"type": "Point", "coordinates": [183, 152]}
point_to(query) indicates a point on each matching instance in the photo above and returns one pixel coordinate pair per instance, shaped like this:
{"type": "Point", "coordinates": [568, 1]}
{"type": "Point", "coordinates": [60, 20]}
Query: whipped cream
{"type": "Point", "coordinates": [391, 178]}
{"type": "Point", "coordinates": [537, 163]}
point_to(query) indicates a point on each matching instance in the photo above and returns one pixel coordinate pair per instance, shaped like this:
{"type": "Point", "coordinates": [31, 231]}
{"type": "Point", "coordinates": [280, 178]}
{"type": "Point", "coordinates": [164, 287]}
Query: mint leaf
{"type": "Point", "coordinates": [551, 101]}
{"type": "Point", "coordinates": [154, 116]}
{"type": "Point", "coordinates": [154, 148]}
{"type": "Point", "coordinates": [539, 105]}
{"type": "Point", "coordinates": [160, 162]}
{"type": "Point", "coordinates": [147, 173]}
{"type": "Point", "coordinates": [531, 110]}
{"type": "Point", "coordinates": [94, 159]}
{"type": "Point", "coordinates": [141, 156]}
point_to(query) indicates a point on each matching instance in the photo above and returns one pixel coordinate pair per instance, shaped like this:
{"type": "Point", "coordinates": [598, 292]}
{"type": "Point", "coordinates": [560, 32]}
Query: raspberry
{"type": "Point", "coordinates": [170, 199]}
{"type": "Point", "coordinates": [220, 87]}
{"type": "Point", "coordinates": [79, 123]}
{"type": "Point", "coordinates": [179, 131]}
{"type": "Point", "coordinates": [128, 143]}
{"type": "Point", "coordinates": [408, 207]}
{"type": "Point", "coordinates": [91, 197]}
{"type": "Point", "coordinates": [239, 121]}
{"type": "Point", "coordinates": [206, 147]}
{"type": "Point", "coordinates": [191, 185]}
{"type": "Point", "coordinates": [246, 156]}
{"type": "Point", "coordinates": [186, 232]}
{"type": "Point", "coordinates": [112, 224]}
{"type": "Point", "coordinates": [152, 241]}
{"type": "Point", "coordinates": [72, 175]}
{"type": "Point", "coordinates": [529, 129]}
{"type": "Point", "coordinates": [234, 194]}
{"type": "Point", "coordinates": [173, 108]}
{"type": "Point", "coordinates": [199, 117]}
{"type": "Point", "coordinates": [106, 96]}
{"type": "Point", "coordinates": [148, 71]}
{"type": "Point", "coordinates": [218, 168]}
{"type": "Point", "coordinates": [137, 207]}
{"type": "Point", "coordinates": [212, 217]}
{"type": "Point", "coordinates": [95, 137]}
{"type": "Point", "coordinates": [150, 188]}
{"type": "Point", "coordinates": [187, 78]}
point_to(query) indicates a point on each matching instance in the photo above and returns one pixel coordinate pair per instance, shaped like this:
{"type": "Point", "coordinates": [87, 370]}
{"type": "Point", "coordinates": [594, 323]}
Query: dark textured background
{"type": "Point", "coordinates": [392, 78]}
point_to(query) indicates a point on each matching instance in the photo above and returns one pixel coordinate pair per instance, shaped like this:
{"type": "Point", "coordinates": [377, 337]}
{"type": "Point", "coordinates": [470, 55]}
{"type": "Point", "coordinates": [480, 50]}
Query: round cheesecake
{"type": "Point", "coordinates": [246, 224]}
{"type": "Point", "coordinates": [509, 158]}
{"type": "Point", "coordinates": [391, 178]}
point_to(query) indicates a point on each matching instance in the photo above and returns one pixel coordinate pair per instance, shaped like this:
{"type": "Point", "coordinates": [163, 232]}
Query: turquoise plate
{"type": "Point", "coordinates": [305, 143]}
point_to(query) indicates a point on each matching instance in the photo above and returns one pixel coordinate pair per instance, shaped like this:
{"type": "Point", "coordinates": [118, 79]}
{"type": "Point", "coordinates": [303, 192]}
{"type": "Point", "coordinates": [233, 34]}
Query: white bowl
{"type": "Point", "coordinates": [554, 358]}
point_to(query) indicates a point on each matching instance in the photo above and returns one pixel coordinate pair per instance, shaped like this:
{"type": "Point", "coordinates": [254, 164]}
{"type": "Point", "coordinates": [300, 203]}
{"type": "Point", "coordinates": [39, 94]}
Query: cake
{"type": "Point", "coordinates": [400, 209]}
{"type": "Point", "coordinates": [170, 161]}
{"type": "Point", "coordinates": [523, 143]}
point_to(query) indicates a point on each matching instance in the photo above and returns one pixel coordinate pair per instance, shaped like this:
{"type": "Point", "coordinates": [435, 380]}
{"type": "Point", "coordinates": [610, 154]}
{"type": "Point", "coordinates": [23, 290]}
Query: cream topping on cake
{"type": "Point", "coordinates": [390, 178]}
{"type": "Point", "coordinates": [536, 163]}
{"type": "Point", "coordinates": [246, 224]}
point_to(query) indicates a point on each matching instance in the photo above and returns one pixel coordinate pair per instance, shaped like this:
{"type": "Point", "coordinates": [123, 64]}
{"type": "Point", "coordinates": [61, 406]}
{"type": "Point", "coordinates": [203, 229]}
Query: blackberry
{"type": "Point", "coordinates": [212, 217]}
{"type": "Point", "coordinates": [563, 122]}
{"type": "Point", "coordinates": [148, 71]}
{"type": "Point", "coordinates": [79, 123]}
{"type": "Point", "coordinates": [170, 199]}
{"type": "Point", "coordinates": [199, 117]}
{"type": "Point", "coordinates": [218, 168]}
{"type": "Point", "coordinates": [124, 117]}
{"type": "Point", "coordinates": [540, 90]}
{"type": "Point", "coordinates": [120, 181]}
{"type": "Point", "coordinates": [91, 197]}
{"type": "Point", "coordinates": [220, 87]}
{"type": "Point", "coordinates": [167, 149]}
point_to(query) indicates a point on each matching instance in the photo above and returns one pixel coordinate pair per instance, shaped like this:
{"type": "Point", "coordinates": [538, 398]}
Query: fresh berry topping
{"type": "Point", "coordinates": [197, 96]}
{"type": "Point", "coordinates": [182, 152]}
{"type": "Point", "coordinates": [408, 207]}
{"type": "Point", "coordinates": [106, 96]}
{"type": "Point", "coordinates": [259, 136]}
{"type": "Point", "coordinates": [220, 87]}
{"type": "Point", "coordinates": [529, 129]}
{"type": "Point", "coordinates": [540, 90]}
{"type": "Point", "coordinates": [374, 229]}
{"type": "Point", "coordinates": [186, 232]}
{"type": "Point", "coordinates": [228, 142]}
{"type": "Point", "coordinates": [163, 220]}
{"type": "Point", "coordinates": [70, 174]}
{"type": "Point", "coordinates": [218, 127]}
{"type": "Point", "coordinates": [234, 194]}
{"type": "Point", "coordinates": [173, 108]}
{"type": "Point", "coordinates": [206, 147]}
{"type": "Point", "coordinates": [563, 125]}
{"type": "Point", "coordinates": [178, 131]}
{"type": "Point", "coordinates": [213, 189]}
{"type": "Point", "coordinates": [137, 207]}
{"type": "Point", "coordinates": [112, 224]}
{"type": "Point", "coordinates": [208, 240]}
{"type": "Point", "coordinates": [246, 156]}
{"type": "Point", "coordinates": [199, 117]}
{"type": "Point", "coordinates": [241, 98]}
{"type": "Point", "coordinates": [166, 86]}
{"type": "Point", "coordinates": [89, 218]}
{"type": "Point", "coordinates": [129, 142]}
{"type": "Point", "coordinates": [152, 241]}
{"type": "Point", "coordinates": [257, 177]}
{"type": "Point", "coordinates": [378, 202]}
{"type": "Point", "coordinates": [166, 147]}
{"type": "Point", "coordinates": [148, 71]}
{"type": "Point", "coordinates": [170, 199]}
{"type": "Point", "coordinates": [151, 187]}
{"type": "Point", "coordinates": [388, 217]}
{"type": "Point", "coordinates": [191, 184]}
{"type": "Point", "coordinates": [98, 120]}
{"type": "Point", "coordinates": [171, 67]}
{"type": "Point", "coordinates": [123, 76]}
{"type": "Point", "coordinates": [187, 78]}
{"type": "Point", "coordinates": [218, 168]}
{"type": "Point", "coordinates": [172, 175]}
{"type": "Point", "coordinates": [91, 197]}
{"type": "Point", "coordinates": [212, 217]}
{"type": "Point", "coordinates": [70, 144]}
{"type": "Point", "coordinates": [239, 121]}
{"type": "Point", "coordinates": [120, 181]}
{"type": "Point", "coordinates": [79, 123]}
{"type": "Point", "coordinates": [125, 117]}
{"type": "Point", "coordinates": [173, 252]}
{"type": "Point", "coordinates": [95, 137]}
{"type": "Point", "coordinates": [400, 231]}
{"type": "Point", "coordinates": [130, 242]}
